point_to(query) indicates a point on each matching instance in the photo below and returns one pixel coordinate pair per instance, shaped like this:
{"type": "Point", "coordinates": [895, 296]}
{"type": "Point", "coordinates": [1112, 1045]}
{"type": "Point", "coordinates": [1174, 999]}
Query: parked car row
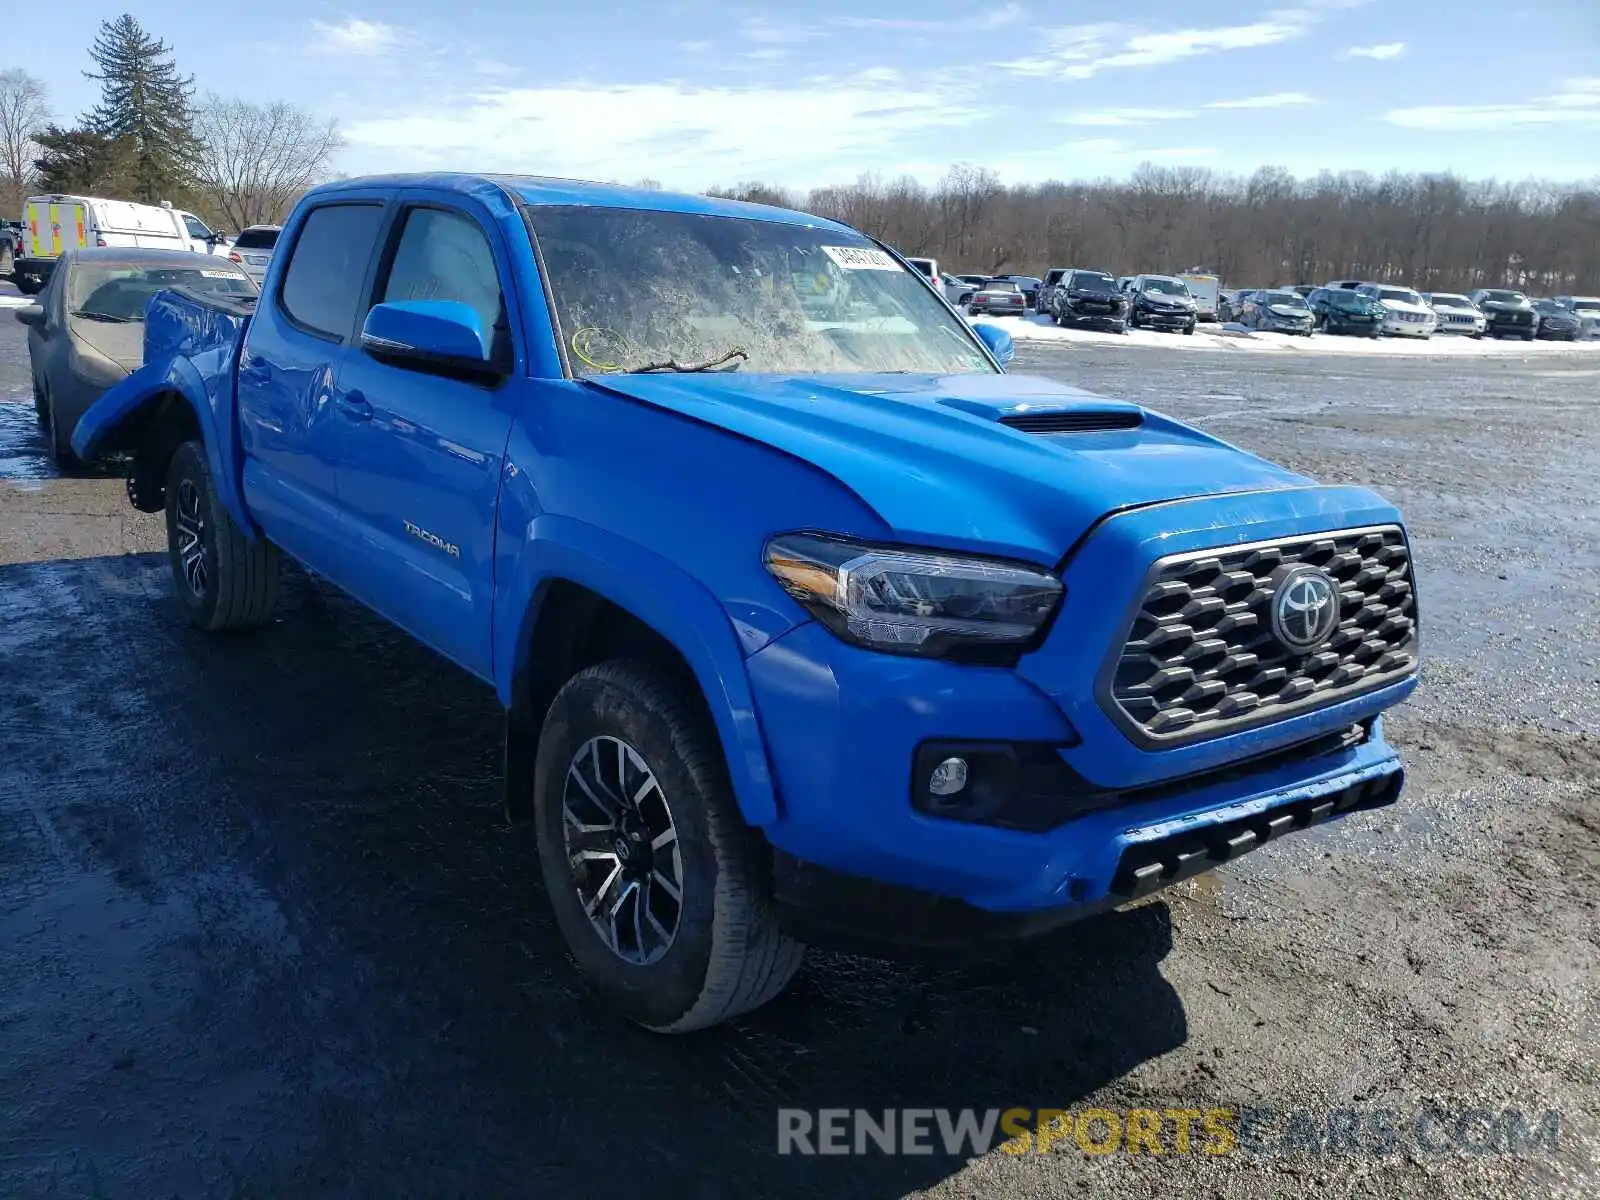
{"type": "Point", "coordinates": [1373, 309]}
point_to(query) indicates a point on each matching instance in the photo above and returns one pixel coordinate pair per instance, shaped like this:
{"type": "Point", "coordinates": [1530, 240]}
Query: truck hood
{"type": "Point", "coordinates": [929, 454]}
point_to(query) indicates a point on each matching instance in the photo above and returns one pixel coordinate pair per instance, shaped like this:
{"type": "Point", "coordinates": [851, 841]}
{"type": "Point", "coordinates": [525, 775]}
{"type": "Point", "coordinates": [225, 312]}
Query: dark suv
{"type": "Point", "coordinates": [1160, 302]}
{"type": "Point", "coordinates": [1089, 299]}
{"type": "Point", "coordinates": [1510, 313]}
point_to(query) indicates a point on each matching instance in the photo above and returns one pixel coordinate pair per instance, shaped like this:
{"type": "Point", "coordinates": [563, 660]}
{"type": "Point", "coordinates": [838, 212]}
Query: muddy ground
{"type": "Point", "coordinates": [263, 932]}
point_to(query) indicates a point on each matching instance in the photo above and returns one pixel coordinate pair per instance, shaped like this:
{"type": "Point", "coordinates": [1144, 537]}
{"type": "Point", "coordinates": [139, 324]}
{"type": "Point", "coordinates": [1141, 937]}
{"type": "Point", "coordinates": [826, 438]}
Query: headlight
{"type": "Point", "coordinates": [906, 601]}
{"type": "Point", "coordinates": [95, 368]}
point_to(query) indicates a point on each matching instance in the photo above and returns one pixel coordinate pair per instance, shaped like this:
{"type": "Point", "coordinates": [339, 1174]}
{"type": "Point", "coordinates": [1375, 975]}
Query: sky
{"type": "Point", "coordinates": [696, 94]}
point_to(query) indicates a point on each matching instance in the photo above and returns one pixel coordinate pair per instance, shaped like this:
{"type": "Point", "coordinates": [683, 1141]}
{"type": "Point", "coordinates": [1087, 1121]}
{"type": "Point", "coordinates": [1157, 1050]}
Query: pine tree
{"type": "Point", "coordinates": [76, 160]}
{"type": "Point", "coordinates": [145, 106]}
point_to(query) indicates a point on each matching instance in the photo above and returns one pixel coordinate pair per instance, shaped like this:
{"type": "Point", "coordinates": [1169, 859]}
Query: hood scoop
{"type": "Point", "coordinates": [1074, 421]}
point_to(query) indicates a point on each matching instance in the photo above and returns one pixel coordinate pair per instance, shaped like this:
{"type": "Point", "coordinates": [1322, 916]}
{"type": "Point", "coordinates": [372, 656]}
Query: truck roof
{"type": "Point", "coordinates": [538, 189]}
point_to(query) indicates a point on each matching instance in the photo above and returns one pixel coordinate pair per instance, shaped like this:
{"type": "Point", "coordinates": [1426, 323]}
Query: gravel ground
{"type": "Point", "coordinates": [263, 932]}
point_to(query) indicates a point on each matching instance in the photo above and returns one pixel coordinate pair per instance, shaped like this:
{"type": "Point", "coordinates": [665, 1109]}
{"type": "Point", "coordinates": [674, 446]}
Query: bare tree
{"type": "Point", "coordinates": [24, 111]}
{"type": "Point", "coordinates": [257, 159]}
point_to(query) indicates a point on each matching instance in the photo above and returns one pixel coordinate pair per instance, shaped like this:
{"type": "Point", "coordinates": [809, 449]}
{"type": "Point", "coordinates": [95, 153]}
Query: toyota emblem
{"type": "Point", "coordinates": [1305, 609]}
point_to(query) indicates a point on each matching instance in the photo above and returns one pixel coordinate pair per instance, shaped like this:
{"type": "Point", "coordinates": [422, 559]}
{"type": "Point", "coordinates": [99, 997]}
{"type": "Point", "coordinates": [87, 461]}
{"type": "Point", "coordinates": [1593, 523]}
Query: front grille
{"type": "Point", "coordinates": [1072, 422]}
{"type": "Point", "coordinates": [1200, 657]}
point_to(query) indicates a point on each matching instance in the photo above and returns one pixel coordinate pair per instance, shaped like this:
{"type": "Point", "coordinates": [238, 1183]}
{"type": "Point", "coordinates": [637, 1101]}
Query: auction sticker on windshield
{"type": "Point", "coordinates": [860, 258]}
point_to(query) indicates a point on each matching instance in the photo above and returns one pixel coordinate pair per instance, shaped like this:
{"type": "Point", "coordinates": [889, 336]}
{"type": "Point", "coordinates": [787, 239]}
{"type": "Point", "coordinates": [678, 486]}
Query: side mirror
{"type": "Point", "coordinates": [999, 342]}
{"type": "Point", "coordinates": [30, 314]}
{"type": "Point", "coordinates": [441, 335]}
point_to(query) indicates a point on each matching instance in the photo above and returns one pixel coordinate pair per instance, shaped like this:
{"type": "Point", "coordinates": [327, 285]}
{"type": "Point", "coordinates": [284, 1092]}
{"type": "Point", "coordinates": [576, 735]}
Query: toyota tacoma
{"type": "Point", "coordinates": [811, 623]}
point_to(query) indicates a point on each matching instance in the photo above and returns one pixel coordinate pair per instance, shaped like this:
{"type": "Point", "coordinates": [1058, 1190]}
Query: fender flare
{"type": "Point", "coordinates": [665, 597]}
{"type": "Point", "coordinates": [116, 422]}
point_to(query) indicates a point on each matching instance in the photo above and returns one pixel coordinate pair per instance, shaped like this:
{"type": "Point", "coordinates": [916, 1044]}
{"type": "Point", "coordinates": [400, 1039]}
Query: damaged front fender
{"type": "Point", "coordinates": [185, 388]}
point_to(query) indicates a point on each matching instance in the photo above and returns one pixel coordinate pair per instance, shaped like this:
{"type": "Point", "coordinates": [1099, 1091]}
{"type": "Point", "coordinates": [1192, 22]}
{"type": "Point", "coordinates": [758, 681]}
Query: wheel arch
{"type": "Point", "coordinates": [582, 595]}
{"type": "Point", "coordinates": [148, 415]}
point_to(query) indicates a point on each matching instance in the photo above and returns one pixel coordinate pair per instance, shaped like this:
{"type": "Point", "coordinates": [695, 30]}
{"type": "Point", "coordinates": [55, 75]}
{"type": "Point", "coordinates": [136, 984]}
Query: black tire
{"type": "Point", "coordinates": [41, 406]}
{"type": "Point", "coordinates": [60, 439]}
{"type": "Point", "coordinates": [237, 583]}
{"type": "Point", "coordinates": [1189, 328]}
{"type": "Point", "coordinates": [726, 955]}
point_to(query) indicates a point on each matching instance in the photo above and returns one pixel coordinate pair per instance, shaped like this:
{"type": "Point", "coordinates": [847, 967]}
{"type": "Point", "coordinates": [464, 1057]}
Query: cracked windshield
{"type": "Point", "coordinates": [641, 290]}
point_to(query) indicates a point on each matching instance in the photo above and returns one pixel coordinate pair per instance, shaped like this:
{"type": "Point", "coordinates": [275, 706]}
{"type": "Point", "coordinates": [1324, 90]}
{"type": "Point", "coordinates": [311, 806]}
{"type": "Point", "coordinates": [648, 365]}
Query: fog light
{"type": "Point", "coordinates": [948, 778]}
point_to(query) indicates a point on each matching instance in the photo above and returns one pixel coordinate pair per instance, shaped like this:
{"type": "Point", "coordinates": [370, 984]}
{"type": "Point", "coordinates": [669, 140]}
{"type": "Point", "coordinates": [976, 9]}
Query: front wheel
{"type": "Point", "coordinates": [657, 884]}
{"type": "Point", "coordinates": [224, 580]}
{"type": "Point", "coordinates": [1189, 328]}
{"type": "Point", "coordinates": [60, 438]}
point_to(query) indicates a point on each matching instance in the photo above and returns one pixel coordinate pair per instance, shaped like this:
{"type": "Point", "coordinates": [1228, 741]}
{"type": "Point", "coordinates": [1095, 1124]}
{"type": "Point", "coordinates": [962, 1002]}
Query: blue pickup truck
{"type": "Point", "coordinates": [812, 624]}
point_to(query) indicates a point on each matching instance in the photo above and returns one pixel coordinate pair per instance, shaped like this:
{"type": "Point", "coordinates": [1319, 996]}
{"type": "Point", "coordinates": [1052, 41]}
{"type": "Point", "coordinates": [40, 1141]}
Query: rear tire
{"type": "Point", "coordinates": [650, 812]}
{"type": "Point", "coordinates": [223, 579]}
{"type": "Point", "coordinates": [41, 406]}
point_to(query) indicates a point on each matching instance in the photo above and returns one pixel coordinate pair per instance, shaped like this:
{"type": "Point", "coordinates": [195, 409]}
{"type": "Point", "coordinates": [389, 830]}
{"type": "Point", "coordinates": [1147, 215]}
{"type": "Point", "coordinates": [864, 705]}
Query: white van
{"type": "Point", "coordinates": [53, 224]}
{"type": "Point", "coordinates": [1206, 290]}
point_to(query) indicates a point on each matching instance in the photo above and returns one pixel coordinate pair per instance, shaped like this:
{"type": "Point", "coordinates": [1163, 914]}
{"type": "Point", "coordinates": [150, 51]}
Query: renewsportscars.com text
{"type": "Point", "coordinates": [1257, 1130]}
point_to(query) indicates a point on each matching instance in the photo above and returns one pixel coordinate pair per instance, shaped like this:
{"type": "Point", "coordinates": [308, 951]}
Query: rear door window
{"type": "Point", "coordinates": [328, 265]}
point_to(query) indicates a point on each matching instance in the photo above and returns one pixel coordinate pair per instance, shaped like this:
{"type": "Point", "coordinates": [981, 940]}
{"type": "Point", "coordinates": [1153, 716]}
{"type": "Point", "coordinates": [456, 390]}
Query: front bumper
{"type": "Point", "coordinates": [843, 727]}
{"type": "Point", "coordinates": [1078, 316]}
{"type": "Point", "coordinates": [1165, 320]}
{"type": "Point", "coordinates": [830, 908]}
{"type": "Point", "coordinates": [1507, 324]}
{"type": "Point", "coordinates": [1277, 324]}
{"type": "Point", "coordinates": [34, 268]}
{"type": "Point", "coordinates": [1417, 329]}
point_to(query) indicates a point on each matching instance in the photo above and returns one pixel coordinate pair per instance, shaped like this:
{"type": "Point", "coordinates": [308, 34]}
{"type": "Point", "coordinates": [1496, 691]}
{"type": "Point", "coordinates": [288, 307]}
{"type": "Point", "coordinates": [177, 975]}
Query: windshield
{"type": "Point", "coordinates": [1439, 301]}
{"type": "Point", "coordinates": [1348, 300]}
{"type": "Point", "coordinates": [1001, 285]}
{"type": "Point", "coordinates": [637, 289]}
{"type": "Point", "coordinates": [1399, 295]}
{"type": "Point", "coordinates": [1094, 279]}
{"type": "Point", "coordinates": [120, 291]}
{"type": "Point", "coordinates": [1166, 287]}
{"type": "Point", "coordinates": [1504, 297]}
{"type": "Point", "coordinates": [925, 265]}
{"type": "Point", "coordinates": [1584, 304]}
{"type": "Point", "coordinates": [1286, 299]}
{"type": "Point", "coordinates": [1550, 308]}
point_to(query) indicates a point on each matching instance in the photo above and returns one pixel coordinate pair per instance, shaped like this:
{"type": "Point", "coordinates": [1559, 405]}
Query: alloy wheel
{"type": "Point", "coordinates": [191, 523]}
{"type": "Point", "coordinates": [622, 846]}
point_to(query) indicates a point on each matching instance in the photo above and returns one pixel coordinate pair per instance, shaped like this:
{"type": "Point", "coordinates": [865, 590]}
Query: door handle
{"type": "Point", "coordinates": [355, 406]}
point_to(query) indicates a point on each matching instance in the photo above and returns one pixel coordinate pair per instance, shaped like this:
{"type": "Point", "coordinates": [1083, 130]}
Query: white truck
{"type": "Point", "coordinates": [1206, 290]}
{"type": "Point", "coordinates": [53, 225]}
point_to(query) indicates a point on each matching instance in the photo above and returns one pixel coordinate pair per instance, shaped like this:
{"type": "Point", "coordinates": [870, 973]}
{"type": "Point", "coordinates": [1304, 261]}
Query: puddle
{"type": "Point", "coordinates": [23, 450]}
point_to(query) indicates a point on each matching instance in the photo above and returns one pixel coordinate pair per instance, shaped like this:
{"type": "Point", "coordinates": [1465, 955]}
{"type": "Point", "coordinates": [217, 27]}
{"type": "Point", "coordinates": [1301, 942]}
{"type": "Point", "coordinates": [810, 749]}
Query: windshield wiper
{"type": "Point", "coordinates": [100, 316]}
{"type": "Point", "coordinates": [711, 364]}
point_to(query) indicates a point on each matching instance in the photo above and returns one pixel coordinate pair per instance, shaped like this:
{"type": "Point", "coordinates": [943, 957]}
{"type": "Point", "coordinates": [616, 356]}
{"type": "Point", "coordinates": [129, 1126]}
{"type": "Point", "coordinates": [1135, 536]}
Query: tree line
{"type": "Point", "coordinates": [150, 138]}
{"type": "Point", "coordinates": [1432, 232]}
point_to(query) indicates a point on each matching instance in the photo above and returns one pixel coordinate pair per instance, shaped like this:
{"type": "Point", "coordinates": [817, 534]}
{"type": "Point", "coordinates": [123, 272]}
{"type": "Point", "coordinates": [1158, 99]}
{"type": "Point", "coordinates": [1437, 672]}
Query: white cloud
{"type": "Point", "coordinates": [1123, 116]}
{"type": "Point", "coordinates": [684, 135]}
{"type": "Point", "coordinates": [355, 37]}
{"type": "Point", "coordinates": [1576, 103]}
{"type": "Point", "coordinates": [1275, 100]}
{"type": "Point", "coordinates": [1001, 18]}
{"type": "Point", "coordinates": [1386, 51]}
{"type": "Point", "coordinates": [1084, 51]}
{"type": "Point", "coordinates": [776, 33]}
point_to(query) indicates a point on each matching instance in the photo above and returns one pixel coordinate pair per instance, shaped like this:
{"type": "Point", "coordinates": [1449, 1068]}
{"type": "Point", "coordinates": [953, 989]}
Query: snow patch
{"type": "Point", "coordinates": [1236, 338]}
